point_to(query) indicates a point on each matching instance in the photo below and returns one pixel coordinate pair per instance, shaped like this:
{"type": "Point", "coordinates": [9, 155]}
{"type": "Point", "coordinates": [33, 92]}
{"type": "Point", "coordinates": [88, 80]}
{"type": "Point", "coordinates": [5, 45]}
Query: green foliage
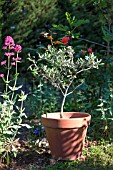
{"type": "Point", "coordinates": [104, 119]}
{"type": "Point", "coordinates": [107, 34]}
{"type": "Point", "coordinates": [99, 13]}
{"type": "Point", "coordinates": [1, 17]}
{"type": "Point", "coordinates": [2, 23]}
{"type": "Point", "coordinates": [73, 24]}
{"type": "Point", "coordinates": [42, 98]}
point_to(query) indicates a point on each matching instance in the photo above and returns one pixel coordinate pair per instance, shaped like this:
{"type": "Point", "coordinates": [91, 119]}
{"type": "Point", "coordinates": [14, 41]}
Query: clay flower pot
{"type": "Point", "coordinates": [66, 135]}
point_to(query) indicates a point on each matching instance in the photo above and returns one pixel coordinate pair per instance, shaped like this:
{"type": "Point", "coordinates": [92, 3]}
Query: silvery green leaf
{"type": "Point", "coordinates": [15, 126]}
{"type": "Point", "coordinates": [7, 132]}
{"type": "Point", "coordinates": [26, 125]}
{"type": "Point", "coordinates": [1, 143]}
{"type": "Point", "coordinates": [15, 88]}
{"type": "Point", "coordinates": [22, 96]}
{"type": "Point", "coordinates": [14, 150]}
{"type": "Point", "coordinates": [2, 150]}
{"type": "Point", "coordinates": [23, 114]}
{"type": "Point", "coordinates": [100, 105]}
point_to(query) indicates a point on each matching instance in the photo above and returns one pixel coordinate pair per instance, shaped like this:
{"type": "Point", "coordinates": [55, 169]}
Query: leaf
{"type": "Point", "coordinates": [1, 143]}
{"type": "Point", "coordinates": [26, 125]}
{"type": "Point", "coordinates": [108, 34]}
{"type": "Point", "coordinates": [15, 88]}
{"type": "Point", "coordinates": [7, 132]}
{"type": "Point", "coordinates": [16, 75]}
{"type": "Point", "coordinates": [2, 150]}
{"type": "Point", "coordinates": [68, 17]}
{"type": "Point", "coordinates": [74, 22]}
{"type": "Point", "coordinates": [79, 23]}
{"type": "Point", "coordinates": [4, 80]}
{"type": "Point", "coordinates": [100, 105]}
{"type": "Point", "coordinates": [15, 126]}
{"type": "Point", "coordinates": [60, 27]}
{"type": "Point", "coordinates": [14, 150]}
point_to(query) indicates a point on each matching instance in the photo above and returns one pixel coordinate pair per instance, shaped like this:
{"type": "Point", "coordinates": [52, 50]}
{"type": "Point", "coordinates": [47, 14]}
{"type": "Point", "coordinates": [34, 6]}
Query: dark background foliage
{"type": "Point", "coordinates": [24, 20]}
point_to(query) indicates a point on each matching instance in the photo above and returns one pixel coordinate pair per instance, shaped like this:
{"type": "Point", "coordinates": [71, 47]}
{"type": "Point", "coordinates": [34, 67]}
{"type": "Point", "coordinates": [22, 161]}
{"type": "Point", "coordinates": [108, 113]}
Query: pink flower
{"type": "Point", "coordinates": [19, 58]}
{"type": "Point", "coordinates": [9, 41]}
{"type": "Point", "coordinates": [13, 63]}
{"type": "Point", "coordinates": [11, 48]}
{"type": "Point", "coordinates": [90, 50]}
{"type": "Point", "coordinates": [18, 48]}
{"type": "Point", "coordinates": [1, 75]}
{"type": "Point", "coordinates": [9, 53]}
{"type": "Point", "coordinates": [4, 47]}
{"type": "Point", "coordinates": [65, 40]}
{"type": "Point", "coordinates": [3, 62]}
{"type": "Point", "coordinates": [16, 59]}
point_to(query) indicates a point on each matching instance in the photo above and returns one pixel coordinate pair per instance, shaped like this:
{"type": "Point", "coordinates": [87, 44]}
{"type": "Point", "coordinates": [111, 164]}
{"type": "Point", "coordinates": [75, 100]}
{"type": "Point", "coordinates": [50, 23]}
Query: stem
{"type": "Point", "coordinates": [64, 98]}
{"type": "Point", "coordinates": [20, 121]}
{"type": "Point", "coordinates": [21, 107]}
{"type": "Point", "coordinates": [62, 106]}
{"type": "Point", "coordinates": [16, 63]}
{"type": "Point", "coordinates": [85, 69]}
{"type": "Point", "coordinates": [15, 79]}
{"type": "Point", "coordinates": [66, 94]}
{"type": "Point", "coordinates": [8, 73]}
{"type": "Point", "coordinates": [108, 43]}
{"type": "Point", "coordinates": [92, 42]}
{"type": "Point", "coordinates": [75, 89]}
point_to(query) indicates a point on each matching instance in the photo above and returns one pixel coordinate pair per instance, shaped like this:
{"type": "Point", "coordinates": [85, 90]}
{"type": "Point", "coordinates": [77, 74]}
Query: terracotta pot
{"type": "Point", "coordinates": [66, 135]}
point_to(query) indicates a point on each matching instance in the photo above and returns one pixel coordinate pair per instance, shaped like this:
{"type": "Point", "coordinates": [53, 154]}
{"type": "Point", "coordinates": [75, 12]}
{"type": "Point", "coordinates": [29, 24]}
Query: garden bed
{"type": "Point", "coordinates": [96, 156]}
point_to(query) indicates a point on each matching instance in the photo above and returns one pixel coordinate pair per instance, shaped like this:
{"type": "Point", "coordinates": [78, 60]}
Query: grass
{"type": "Point", "coordinates": [98, 157]}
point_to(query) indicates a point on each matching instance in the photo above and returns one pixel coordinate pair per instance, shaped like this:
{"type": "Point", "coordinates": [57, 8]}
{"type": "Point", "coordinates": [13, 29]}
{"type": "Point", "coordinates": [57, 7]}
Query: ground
{"type": "Point", "coordinates": [36, 156]}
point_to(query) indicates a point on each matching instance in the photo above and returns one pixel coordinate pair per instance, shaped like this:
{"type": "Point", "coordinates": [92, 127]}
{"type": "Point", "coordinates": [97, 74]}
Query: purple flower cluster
{"type": "Point", "coordinates": [11, 48]}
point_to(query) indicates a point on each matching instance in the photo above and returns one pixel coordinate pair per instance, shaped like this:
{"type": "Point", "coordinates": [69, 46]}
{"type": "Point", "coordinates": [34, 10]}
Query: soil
{"type": "Point", "coordinates": [28, 157]}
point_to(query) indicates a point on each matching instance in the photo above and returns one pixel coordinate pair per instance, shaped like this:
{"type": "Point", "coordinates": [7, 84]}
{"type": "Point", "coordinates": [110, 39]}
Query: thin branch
{"type": "Point", "coordinates": [61, 89]}
{"type": "Point", "coordinates": [75, 88]}
{"type": "Point", "coordinates": [69, 85]}
{"type": "Point", "coordinates": [64, 98]}
{"type": "Point", "coordinates": [83, 70]}
{"type": "Point", "coordinates": [92, 42]}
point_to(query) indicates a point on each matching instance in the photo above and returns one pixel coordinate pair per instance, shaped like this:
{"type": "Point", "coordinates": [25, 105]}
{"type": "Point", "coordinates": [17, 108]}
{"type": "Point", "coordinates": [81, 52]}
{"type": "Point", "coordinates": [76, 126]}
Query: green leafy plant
{"type": "Point", "coordinates": [12, 98]}
{"type": "Point", "coordinates": [73, 24]}
{"type": "Point", "coordinates": [61, 67]}
{"type": "Point", "coordinates": [105, 108]}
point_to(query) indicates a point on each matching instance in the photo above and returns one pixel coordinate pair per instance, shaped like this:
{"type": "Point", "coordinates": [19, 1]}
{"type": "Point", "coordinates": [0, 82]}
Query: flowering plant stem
{"type": "Point", "coordinates": [11, 107]}
{"type": "Point", "coordinates": [8, 73]}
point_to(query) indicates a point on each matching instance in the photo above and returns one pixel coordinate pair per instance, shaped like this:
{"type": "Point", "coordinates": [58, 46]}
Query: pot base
{"type": "Point", "coordinates": [66, 144]}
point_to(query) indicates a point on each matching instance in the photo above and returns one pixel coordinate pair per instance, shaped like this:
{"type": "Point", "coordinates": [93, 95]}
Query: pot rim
{"type": "Point", "coordinates": [73, 120]}
{"type": "Point", "coordinates": [82, 115]}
